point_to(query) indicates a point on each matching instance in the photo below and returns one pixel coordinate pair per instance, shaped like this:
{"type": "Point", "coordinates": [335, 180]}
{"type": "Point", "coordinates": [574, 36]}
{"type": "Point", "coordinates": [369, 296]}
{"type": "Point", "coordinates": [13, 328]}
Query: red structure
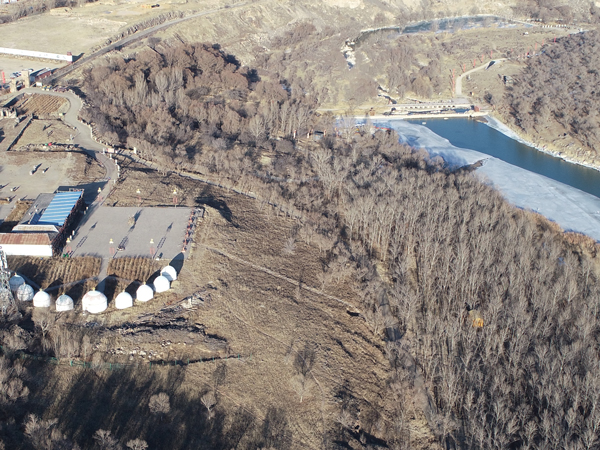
{"type": "Point", "coordinates": [44, 73]}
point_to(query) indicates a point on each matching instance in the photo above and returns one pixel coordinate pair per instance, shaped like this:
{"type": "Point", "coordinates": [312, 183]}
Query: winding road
{"type": "Point", "coordinates": [138, 36]}
{"type": "Point", "coordinates": [83, 138]}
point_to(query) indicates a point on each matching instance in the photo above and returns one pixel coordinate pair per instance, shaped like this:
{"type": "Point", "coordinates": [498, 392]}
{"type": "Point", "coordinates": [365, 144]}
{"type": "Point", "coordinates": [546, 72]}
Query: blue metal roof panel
{"type": "Point", "coordinates": [59, 208]}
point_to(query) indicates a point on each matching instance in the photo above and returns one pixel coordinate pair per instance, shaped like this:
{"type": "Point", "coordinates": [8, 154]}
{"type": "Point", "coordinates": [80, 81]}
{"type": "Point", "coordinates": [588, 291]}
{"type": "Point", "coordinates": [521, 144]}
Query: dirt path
{"type": "Point", "coordinates": [281, 277]}
{"type": "Point", "coordinates": [458, 90]}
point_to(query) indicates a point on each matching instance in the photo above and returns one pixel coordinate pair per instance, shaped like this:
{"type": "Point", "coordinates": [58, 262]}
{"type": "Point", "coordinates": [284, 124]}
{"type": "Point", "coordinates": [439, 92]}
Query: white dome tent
{"type": "Point", "coordinates": [123, 301]}
{"type": "Point", "coordinates": [144, 293]}
{"type": "Point", "coordinates": [64, 303]}
{"type": "Point", "coordinates": [25, 293]}
{"type": "Point", "coordinates": [161, 284]}
{"type": "Point", "coordinates": [94, 302]}
{"type": "Point", "coordinates": [42, 299]}
{"type": "Point", "coordinates": [169, 273]}
{"type": "Point", "coordinates": [15, 282]}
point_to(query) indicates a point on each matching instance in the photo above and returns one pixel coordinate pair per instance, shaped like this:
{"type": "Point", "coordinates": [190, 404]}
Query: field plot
{"type": "Point", "coordinates": [42, 106]}
{"type": "Point", "coordinates": [49, 272]}
{"type": "Point", "coordinates": [131, 231]}
{"type": "Point", "coordinates": [54, 33]}
{"type": "Point", "coordinates": [136, 268]}
{"type": "Point", "coordinates": [91, 23]}
{"type": "Point", "coordinates": [10, 129]}
{"type": "Point", "coordinates": [64, 169]}
{"type": "Point", "coordinates": [45, 131]}
{"type": "Point", "coordinates": [10, 64]}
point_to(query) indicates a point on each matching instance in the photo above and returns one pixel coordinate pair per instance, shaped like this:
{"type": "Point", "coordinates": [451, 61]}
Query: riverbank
{"type": "Point", "coordinates": [547, 148]}
{"type": "Point", "coordinates": [572, 209]}
{"type": "Point", "coordinates": [426, 116]}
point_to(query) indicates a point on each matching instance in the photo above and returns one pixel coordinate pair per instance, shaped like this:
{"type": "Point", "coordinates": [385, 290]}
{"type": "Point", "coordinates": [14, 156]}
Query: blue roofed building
{"type": "Point", "coordinates": [52, 214]}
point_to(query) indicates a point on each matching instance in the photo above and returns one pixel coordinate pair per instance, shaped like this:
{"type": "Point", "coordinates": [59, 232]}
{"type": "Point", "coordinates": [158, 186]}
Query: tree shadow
{"type": "Point", "coordinates": [90, 190]}
{"type": "Point", "coordinates": [177, 262]}
{"type": "Point", "coordinates": [275, 430]}
{"type": "Point", "coordinates": [117, 400]}
{"type": "Point", "coordinates": [217, 204]}
{"type": "Point", "coordinates": [76, 291]}
{"type": "Point", "coordinates": [132, 287]}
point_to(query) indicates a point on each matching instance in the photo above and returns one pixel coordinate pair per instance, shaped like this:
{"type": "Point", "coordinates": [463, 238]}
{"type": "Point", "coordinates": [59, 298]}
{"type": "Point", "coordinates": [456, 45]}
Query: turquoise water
{"type": "Point", "coordinates": [470, 134]}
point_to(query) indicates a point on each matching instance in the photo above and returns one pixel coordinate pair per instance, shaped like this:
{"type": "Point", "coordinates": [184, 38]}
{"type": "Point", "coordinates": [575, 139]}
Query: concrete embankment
{"type": "Point", "coordinates": [424, 116]}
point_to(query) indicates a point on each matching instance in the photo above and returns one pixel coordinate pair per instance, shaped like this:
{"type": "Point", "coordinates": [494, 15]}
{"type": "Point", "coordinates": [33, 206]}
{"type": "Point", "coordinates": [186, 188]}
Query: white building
{"type": "Point", "coordinates": [24, 293]}
{"type": "Point", "coordinates": [26, 244]}
{"type": "Point", "coordinates": [169, 273]}
{"type": "Point", "coordinates": [42, 300]}
{"type": "Point", "coordinates": [15, 282]}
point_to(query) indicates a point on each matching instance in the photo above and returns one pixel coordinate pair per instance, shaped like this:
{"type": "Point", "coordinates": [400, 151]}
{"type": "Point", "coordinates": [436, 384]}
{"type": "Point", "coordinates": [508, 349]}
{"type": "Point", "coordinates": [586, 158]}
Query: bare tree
{"type": "Point", "coordinates": [209, 400]}
{"type": "Point", "coordinates": [105, 441]}
{"type": "Point", "coordinates": [159, 405]}
{"type": "Point", "coordinates": [44, 434]}
{"type": "Point", "coordinates": [137, 444]}
{"type": "Point", "coordinates": [302, 385]}
{"type": "Point", "coordinates": [289, 247]}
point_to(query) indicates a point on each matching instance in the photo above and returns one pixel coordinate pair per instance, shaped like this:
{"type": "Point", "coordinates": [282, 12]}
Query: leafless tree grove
{"type": "Point", "coordinates": [489, 318]}
{"type": "Point", "coordinates": [558, 87]}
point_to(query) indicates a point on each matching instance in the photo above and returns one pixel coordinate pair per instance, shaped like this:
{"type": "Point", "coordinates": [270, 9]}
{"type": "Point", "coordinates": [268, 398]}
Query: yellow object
{"type": "Point", "coordinates": [476, 318]}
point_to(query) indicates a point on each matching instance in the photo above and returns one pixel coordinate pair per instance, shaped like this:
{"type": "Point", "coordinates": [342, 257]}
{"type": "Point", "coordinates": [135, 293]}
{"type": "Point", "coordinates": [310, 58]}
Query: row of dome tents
{"type": "Point", "coordinates": [94, 301]}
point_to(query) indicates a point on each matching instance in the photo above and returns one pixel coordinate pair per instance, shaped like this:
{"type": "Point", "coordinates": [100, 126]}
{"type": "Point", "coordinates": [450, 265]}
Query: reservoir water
{"type": "Point", "coordinates": [446, 24]}
{"type": "Point", "coordinates": [470, 134]}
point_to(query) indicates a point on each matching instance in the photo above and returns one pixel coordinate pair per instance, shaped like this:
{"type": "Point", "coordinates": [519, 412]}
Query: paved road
{"type": "Point", "coordinates": [458, 90]}
{"type": "Point", "coordinates": [137, 36]}
{"type": "Point", "coordinates": [83, 137]}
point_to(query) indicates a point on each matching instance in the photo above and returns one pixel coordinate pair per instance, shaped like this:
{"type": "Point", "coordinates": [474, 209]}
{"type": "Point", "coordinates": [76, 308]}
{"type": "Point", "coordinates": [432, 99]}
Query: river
{"type": "Point", "coordinates": [563, 192]}
{"type": "Point", "coordinates": [485, 139]}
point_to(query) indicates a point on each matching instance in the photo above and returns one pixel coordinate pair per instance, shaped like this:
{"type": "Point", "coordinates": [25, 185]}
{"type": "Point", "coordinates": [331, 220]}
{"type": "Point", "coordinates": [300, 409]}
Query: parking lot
{"type": "Point", "coordinates": [17, 183]}
{"type": "Point", "coordinates": [165, 227]}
